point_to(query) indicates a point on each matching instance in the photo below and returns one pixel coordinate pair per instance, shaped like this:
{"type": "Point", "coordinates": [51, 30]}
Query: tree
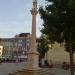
{"type": "Point", "coordinates": [42, 47]}
{"type": "Point", "coordinates": [59, 24]}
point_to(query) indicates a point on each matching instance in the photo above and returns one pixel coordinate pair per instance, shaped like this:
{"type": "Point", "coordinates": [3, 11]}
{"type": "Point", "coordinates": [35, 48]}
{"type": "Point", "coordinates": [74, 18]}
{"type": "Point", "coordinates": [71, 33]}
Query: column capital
{"type": "Point", "coordinates": [34, 11]}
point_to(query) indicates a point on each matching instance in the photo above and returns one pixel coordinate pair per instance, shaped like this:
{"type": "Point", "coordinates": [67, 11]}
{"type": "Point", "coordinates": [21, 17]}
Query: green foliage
{"type": "Point", "coordinates": [59, 22]}
{"type": "Point", "coordinates": [42, 46]}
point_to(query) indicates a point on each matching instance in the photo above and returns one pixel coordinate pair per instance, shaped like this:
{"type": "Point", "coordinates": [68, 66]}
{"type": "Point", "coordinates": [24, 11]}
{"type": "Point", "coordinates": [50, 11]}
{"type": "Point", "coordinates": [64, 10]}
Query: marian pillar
{"type": "Point", "coordinates": [33, 56]}
{"type": "Point", "coordinates": [33, 61]}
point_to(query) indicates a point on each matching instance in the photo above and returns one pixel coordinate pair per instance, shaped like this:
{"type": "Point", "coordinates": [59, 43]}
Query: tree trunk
{"type": "Point", "coordinates": [72, 63]}
{"type": "Point", "coordinates": [40, 61]}
{"type": "Point", "coordinates": [43, 62]}
{"type": "Point", "coordinates": [71, 56]}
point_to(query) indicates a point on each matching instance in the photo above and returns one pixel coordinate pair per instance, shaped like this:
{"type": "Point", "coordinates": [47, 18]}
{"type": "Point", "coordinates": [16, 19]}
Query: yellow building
{"type": "Point", "coordinates": [57, 54]}
{"type": "Point", "coordinates": [1, 51]}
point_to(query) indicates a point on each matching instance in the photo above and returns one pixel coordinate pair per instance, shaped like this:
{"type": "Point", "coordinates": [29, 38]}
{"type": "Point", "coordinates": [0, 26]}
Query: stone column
{"type": "Point", "coordinates": [33, 56]}
{"type": "Point", "coordinates": [33, 61]}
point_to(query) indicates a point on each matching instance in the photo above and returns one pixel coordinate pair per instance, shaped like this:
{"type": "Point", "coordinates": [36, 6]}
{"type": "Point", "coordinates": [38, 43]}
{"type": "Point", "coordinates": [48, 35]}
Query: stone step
{"type": "Point", "coordinates": [43, 71]}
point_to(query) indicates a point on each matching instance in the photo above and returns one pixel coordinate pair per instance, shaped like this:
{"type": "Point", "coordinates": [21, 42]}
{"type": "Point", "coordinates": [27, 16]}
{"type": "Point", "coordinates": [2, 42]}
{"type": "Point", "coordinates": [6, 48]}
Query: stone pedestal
{"type": "Point", "coordinates": [33, 61]}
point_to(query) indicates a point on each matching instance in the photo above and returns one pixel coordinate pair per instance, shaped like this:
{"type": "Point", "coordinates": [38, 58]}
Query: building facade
{"type": "Point", "coordinates": [58, 55]}
{"type": "Point", "coordinates": [1, 51]}
{"type": "Point", "coordinates": [22, 45]}
{"type": "Point", "coordinates": [15, 48]}
{"type": "Point", "coordinates": [8, 45]}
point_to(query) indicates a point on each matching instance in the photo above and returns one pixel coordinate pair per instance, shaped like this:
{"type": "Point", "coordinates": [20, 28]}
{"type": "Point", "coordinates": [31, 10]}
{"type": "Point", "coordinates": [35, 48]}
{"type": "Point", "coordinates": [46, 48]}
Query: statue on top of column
{"type": "Point", "coordinates": [35, 4]}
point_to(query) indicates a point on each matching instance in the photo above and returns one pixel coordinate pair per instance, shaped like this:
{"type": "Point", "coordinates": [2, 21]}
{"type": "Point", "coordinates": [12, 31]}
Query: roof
{"type": "Point", "coordinates": [24, 34]}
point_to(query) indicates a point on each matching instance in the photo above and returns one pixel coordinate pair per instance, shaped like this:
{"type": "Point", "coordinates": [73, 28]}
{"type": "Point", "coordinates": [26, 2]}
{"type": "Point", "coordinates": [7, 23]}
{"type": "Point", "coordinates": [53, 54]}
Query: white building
{"type": "Point", "coordinates": [58, 55]}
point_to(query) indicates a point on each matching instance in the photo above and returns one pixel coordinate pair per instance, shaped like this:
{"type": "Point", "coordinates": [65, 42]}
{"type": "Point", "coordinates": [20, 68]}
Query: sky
{"type": "Point", "coordinates": [15, 17]}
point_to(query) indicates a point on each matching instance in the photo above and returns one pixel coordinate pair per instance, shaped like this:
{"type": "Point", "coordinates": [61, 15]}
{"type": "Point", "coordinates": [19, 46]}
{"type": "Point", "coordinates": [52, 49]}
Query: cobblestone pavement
{"type": "Point", "coordinates": [59, 71]}
{"type": "Point", "coordinates": [6, 68]}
